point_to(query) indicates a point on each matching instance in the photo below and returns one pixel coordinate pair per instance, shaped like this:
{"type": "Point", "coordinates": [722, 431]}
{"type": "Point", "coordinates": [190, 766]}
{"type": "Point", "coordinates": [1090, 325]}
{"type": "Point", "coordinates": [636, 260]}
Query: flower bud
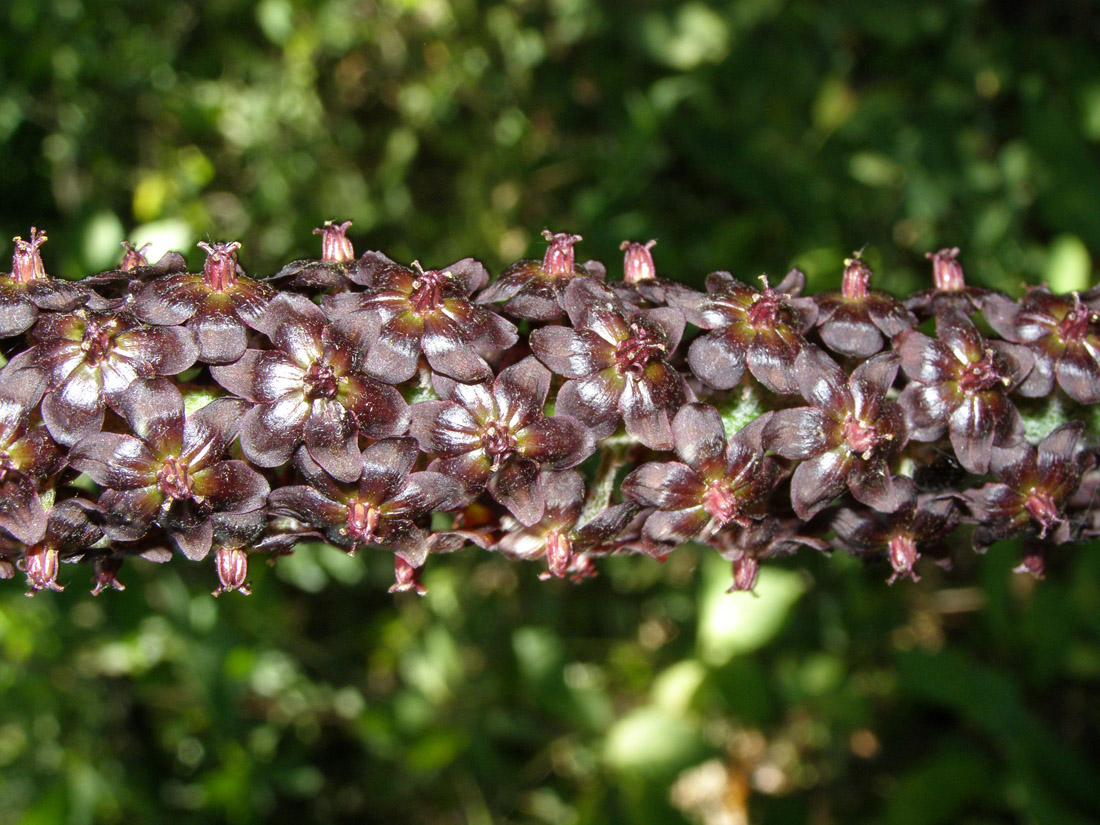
{"type": "Point", "coordinates": [335, 247]}
{"type": "Point", "coordinates": [902, 552]}
{"type": "Point", "coordinates": [559, 552]}
{"type": "Point", "coordinates": [41, 565]}
{"type": "Point", "coordinates": [133, 257]}
{"type": "Point", "coordinates": [947, 272]}
{"type": "Point", "coordinates": [746, 570]}
{"type": "Point", "coordinates": [232, 564]}
{"type": "Point", "coordinates": [219, 272]}
{"type": "Point", "coordinates": [406, 577]}
{"type": "Point", "coordinates": [857, 279]}
{"type": "Point", "coordinates": [26, 261]}
{"type": "Point", "coordinates": [559, 258]}
{"type": "Point", "coordinates": [106, 575]}
{"type": "Point", "coordinates": [638, 262]}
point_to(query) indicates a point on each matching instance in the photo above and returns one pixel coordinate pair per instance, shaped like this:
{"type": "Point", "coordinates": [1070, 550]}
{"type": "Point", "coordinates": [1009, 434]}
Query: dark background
{"type": "Point", "coordinates": [748, 136]}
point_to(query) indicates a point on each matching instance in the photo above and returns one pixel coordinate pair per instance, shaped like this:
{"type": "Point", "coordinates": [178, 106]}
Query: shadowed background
{"type": "Point", "coordinates": [749, 136]}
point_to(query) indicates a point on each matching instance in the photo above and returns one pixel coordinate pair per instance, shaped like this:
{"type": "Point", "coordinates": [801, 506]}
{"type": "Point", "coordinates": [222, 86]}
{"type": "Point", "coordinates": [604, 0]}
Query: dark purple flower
{"type": "Point", "coordinates": [617, 364]}
{"type": "Point", "coordinates": [1062, 331]}
{"type": "Point", "coordinates": [497, 435]}
{"type": "Point", "coordinates": [759, 328]}
{"type": "Point", "coordinates": [118, 287]}
{"type": "Point", "coordinates": [745, 546]}
{"type": "Point", "coordinates": [561, 537]}
{"type": "Point", "coordinates": [714, 485]}
{"type": "Point", "coordinates": [86, 359]}
{"type": "Point", "coordinates": [218, 305]}
{"type": "Point", "coordinates": [950, 292]}
{"type": "Point", "coordinates": [334, 269]}
{"type": "Point", "coordinates": [959, 383]}
{"type": "Point", "coordinates": [170, 471]}
{"type": "Point", "coordinates": [846, 439]}
{"type": "Point", "coordinates": [853, 321]}
{"type": "Point", "coordinates": [535, 290]}
{"type": "Point", "coordinates": [27, 456]}
{"type": "Point", "coordinates": [405, 312]}
{"type": "Point", "coordinates": [28, 289]}
{"type": "Point", "coordinates": [68, 533]}
{"type": "Point", "coordinates": [382, 509]}
{"type": "Point", "coordinates": [1034, 485]}
{"type": "Point", "coordinates": [921, 521]}
{"type": "Point", "coordinates": [310, 388]}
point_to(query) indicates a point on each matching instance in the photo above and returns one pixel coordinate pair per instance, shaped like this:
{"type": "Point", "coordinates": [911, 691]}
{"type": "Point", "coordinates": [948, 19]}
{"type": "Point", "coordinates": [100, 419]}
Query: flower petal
{"type": "Point", "coordinates": [799, 433]}
{"type": "Point", "coordinates": [818, 481]}
{"type": "Point", "coordinates": [718, 359]}
{"type": "Point", "coordinates": [21, 512]}
{"type": "Point", "coordinates": [75, 408]}
{"type": "Point", "coordinates": [210, 430]}
{"type": "Point", "coordinates": [231, 486]}
{"type": "Point", "coordinates": [386, 465]}
{"type": "Point", "coordinates": [332, 438]}
{"type": "Point", "coordinates": [269, 432]}
{"type": "Point", "coordinates": [515, 486]}
{"type": "Point", "coordinates": [220, 334]}
{"type": "Point", "coordinates": [665, 485]}
{"type": "Point", "coordinates": [114, 460]}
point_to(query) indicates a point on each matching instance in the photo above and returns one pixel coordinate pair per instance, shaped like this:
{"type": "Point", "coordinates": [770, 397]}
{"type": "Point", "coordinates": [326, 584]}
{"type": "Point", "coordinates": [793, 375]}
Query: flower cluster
{"type": "Point", "coordinates": [551, 414]}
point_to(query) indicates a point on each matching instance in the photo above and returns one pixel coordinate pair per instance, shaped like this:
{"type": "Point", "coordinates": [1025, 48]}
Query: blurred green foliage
{"type": "Point", "coordinates": [747, 135]}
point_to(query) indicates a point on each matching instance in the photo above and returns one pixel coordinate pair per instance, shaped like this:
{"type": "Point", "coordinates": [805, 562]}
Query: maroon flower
{"type": "Point", "coordinates": [560, 536]}
{"type": "Point", "coordinates": [1062, 331]}
{"type": "Point", "coordinates": [27, 456]}
{"type": "Point", "coordinates": [919, 522]}
{"type": "Point", "coordinates": [28, 289]}
{"type": "Point", "coordinates": [382, 508]}
{"type": "Point", "coordinates": [408, 311]}
{"type": "Point", "coordinates": [853, 321]}
{"type": "Point", "coordinates": [309, 389]}
{"type": "Point", "coordinates": [170, 471]}
{"type": "Point", "coordinates": [536, 289]}
{"type": "Point", "coordinates": [640, 287]}
{"type": "Point", "coordinates": [120, 286]}
{"type": "Point", "coordinates": [86, 359]}
{"type": "Point", "coordinates": [617, 363]}
{"type": "Point", "coordinates": [960, 383]}
{"type": "Point", "coordinates": [762, 329]}
{"type": "Point", "coordinates": [498, 436]}
{"type": "Point", "coordinates": [334, 269]}
{"type": "Point", "coordinates": [67, 534]}
{"type": "Point", "coordinates": [950, 292]}
{"type": "Point", "coordinates": [714, 485]}
{"type": "Point", "coordinates": [217, 305]}
{"type": "Point", "coordinates": [847, 438]}
{"type": "Point", "coordinates": [1035, 484]}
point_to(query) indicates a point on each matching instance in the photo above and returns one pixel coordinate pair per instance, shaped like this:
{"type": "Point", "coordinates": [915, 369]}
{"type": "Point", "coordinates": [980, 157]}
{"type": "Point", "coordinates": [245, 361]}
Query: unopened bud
{"type": "Point", "coordinates": [232, 564]}
{"type": "Point", "coordinates": [638, 261]}
{"type": "Point", "coordinates": [133, 257]}
{"type": "Point", "coordinates": [406, 577]}
{"type": "Point", "coordinates": [559, 258]}
{"type": "Point", "coordinates": [26, 261]}
{"type": "Point", "coordinates": [559, 552]}
{"type": "Point", "coordinates": [219, 272]}
{"type": "Point", "coordinates": [335, 246]}
{"type": "Point", "coordinates": [746, 570]}
{"type": "Point", "coordinates": [106, 575]}
{"type": "Point", "coordinates": [947, 272]}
